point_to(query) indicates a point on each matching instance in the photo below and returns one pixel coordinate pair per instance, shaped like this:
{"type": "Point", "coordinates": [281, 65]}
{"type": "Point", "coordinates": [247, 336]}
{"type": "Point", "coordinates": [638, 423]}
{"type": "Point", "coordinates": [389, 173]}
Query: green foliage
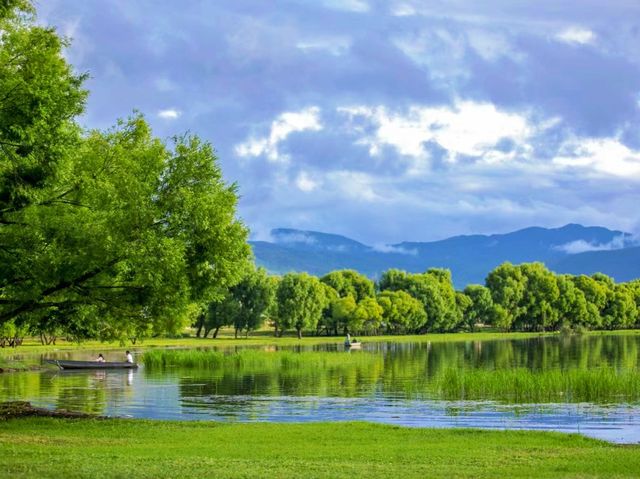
{"type": "Point", "coordinates": [254, 296]}
{"type": "Point", "coordinates": [220, 313]}
{"type": "Point", "coordinates": [342, 311]}
{"type": "Point", "coordinates": [538, 310]}
{"type": "Point", "coordinates": [434, 290]}
{"type": "Point", "coordinates": [348, 282]}
{"type": "Point", "coordinates": [40, 96]}
{"type": "Point", "coordinates": [620, 311]}
{"type": "Point", "coordinates": [464, 304]}
{"type": "Point", "coordinates": [481, 309]}
{"type": "Point", "coordinates": [401, 312]}
{"type": "Point", "coordinates": [105, 234]}
{"type": "Point", "coordinates": [572, 306]}
{"type": "Point", "coordinates": [367, 316]}
{"type": "Point", "coordinates": [301, 300]}
{"type": "Point", "coordinates": [143, 231]}
{"type": "Point", "coordinates": [507, 285]}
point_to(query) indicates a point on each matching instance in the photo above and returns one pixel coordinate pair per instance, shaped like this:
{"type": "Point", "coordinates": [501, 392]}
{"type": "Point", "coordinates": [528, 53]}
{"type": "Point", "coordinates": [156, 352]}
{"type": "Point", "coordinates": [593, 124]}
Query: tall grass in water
{"type": "Point", "coordinates": [255, 360]}
{"type": "Point", "coordinates": [522, 385]}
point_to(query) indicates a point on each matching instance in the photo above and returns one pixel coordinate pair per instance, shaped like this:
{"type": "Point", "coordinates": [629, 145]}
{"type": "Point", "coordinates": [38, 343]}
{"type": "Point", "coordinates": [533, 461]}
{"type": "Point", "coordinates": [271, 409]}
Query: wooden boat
{"type": "Point", "coordinates": [65, 364]}
{"type": "Point", "coordinates": [353, 344]}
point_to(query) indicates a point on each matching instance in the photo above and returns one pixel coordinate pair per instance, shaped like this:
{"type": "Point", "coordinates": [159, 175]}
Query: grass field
{"type": "Point", "coordinates": [52, 448]}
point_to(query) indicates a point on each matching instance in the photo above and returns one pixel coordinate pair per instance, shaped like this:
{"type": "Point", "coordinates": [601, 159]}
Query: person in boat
{"type": "Point", "coordinates": [129, 357]}
{"type": "Point", "coordinates": [100, 358]}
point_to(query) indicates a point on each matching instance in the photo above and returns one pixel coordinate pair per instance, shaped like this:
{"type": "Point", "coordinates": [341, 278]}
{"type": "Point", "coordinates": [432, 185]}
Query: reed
{"type": "Point", "coordinates": [523, 385]}
{"type": "Point", "coordinates": [255, 360]}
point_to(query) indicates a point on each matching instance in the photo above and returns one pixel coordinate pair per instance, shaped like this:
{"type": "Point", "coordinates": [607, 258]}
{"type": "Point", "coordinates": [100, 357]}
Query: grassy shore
{"type": "Point", "coordinates": [45, 447]}
{"type": "Point", "coordinates": [265, 338]}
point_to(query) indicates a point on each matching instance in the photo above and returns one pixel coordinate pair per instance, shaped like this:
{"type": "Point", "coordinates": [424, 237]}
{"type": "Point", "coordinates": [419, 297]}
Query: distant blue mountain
{"type": "Point", "coordinates": [572, 249]}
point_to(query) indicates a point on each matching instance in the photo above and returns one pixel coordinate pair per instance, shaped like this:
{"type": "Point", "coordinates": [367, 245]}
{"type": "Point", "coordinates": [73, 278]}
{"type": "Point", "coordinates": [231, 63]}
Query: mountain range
{"type": "Point", "coordinates": [573, 248]}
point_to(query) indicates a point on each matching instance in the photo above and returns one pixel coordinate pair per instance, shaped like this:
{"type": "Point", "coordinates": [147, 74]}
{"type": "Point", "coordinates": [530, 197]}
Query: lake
{"type": "Point", "coordinates": [584, 384]}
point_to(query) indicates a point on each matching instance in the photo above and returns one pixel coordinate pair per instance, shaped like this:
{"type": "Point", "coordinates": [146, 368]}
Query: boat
{"type": "Point", "coordinates": [353, 344]}
{"type": "Point", "coordinates": [66, 364]}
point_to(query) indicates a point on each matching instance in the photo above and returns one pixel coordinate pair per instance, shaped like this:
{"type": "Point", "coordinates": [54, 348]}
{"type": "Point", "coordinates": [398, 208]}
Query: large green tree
{"type": "Point", "coordinates": [254, 294]}
{"type": "Point", "coordinates": [347, 282]}
{"type": "Point", "coordinates": [481, 309]}
{"type": "Point", "coordinates": [301, 300]}
{"type": "Point", "coordinates": [538, 310]}
{"type": "Point", "coordinates": [116, 232]}
{"type": "Point", "coordinates": [434, 289]}
{"type": "Point", "coordinates": [401, 312]}
{"type": "Point", "coordinates": [507, 285]}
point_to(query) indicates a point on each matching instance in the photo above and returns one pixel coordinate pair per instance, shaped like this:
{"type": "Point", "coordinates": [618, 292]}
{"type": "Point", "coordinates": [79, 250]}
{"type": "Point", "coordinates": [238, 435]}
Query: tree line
{"type": "Point", "coordinates": [525, 297]}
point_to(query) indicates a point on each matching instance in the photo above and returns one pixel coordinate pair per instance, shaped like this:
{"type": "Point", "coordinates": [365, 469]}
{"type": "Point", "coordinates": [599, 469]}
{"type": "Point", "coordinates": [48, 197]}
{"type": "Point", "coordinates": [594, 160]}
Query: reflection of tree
{"type": "Point", "coordinates": [347, 380]}
{"type": "Point", "coordinates": [82, 391]}
{"type": "Point", "coordinates": [413, 369]}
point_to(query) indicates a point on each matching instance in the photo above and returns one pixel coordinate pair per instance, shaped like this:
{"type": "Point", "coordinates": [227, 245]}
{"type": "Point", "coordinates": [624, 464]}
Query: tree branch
{"type": "Point", "coordinates": [28, 306]}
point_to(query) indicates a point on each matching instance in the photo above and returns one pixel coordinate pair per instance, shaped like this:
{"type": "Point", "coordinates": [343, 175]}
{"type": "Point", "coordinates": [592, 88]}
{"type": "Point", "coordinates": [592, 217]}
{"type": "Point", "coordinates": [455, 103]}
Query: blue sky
{"type": "Point", "coordinates": [384, 120]}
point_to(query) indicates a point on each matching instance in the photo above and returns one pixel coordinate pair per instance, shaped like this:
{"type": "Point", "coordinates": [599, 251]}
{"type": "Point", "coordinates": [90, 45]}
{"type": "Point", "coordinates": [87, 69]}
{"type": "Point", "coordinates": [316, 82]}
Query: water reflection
{"type": "Point", "coordinates": [394, 385]}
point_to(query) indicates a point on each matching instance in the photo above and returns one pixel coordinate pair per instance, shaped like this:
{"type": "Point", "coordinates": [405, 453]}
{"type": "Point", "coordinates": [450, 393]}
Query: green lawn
{"type": "Point", "coordinates": [44, 447]}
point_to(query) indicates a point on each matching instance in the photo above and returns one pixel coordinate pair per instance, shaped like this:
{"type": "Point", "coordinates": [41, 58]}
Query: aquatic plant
{"type": "Point", "coordinates": [522, 385]}
{"type": "Point", "coordinates": [258, 360]}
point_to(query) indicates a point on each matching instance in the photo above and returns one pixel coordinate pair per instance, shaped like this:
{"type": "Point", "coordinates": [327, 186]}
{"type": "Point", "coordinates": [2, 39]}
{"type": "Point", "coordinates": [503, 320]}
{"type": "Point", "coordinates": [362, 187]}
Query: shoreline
{"type": "Point", "coordinates": [32, 347]}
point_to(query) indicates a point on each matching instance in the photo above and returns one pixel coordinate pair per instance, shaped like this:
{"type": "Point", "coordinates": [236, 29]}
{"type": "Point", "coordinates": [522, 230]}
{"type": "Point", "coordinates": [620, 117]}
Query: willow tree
{"type": "Point", "coordinates": [301, 300]}
{"type": "Point", "coordinates": [116, 232]}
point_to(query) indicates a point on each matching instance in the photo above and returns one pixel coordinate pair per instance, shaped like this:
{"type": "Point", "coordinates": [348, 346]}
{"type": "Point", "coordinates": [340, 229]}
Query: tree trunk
{"type": "Point", "coordinates": [206, 332]}
{"type": "Point", "coordinates": [215, 332]}
{"type": "Point", "coordinates": [236, 333]}
{"type": "Point", "coordinates": [299, 333]}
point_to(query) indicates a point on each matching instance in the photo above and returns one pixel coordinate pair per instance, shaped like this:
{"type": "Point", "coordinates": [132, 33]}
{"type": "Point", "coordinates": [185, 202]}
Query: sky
{"type": "Point", "coordinates": [385, 121]}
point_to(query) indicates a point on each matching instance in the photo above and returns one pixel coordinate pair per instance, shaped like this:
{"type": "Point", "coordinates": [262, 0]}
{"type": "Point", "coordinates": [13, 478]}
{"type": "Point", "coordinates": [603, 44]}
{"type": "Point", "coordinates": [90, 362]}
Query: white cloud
{"type": "Point", "coordinates": [467, 128]}
{"type": "Point", "coordinates": [606, 155]}
{"type": "Point", "coordinates": [491, 46]}
{"type": "Point", "coordinates": [354, 185]}
{"type": "Point", "coordinates": [305, 183]}
{"type": "Point", "coordinates": [170, 114]}
{"type": "Point", "coordinates": [294, 237]}
{"type": "Point", "coordinates": [359, 6]}
{"type": "Point", "coordinates": [335, 46]}
{"type": "Point", "coordinates": [388, 248]}
{"type": "Point", "coordinates": [403, 10]}
{"type": "Point", "coordinates": [576, 35]}
{"type": "Point", "coordinates": [286, 123]}
{"type": "Point", "coordinates": [581, 246]}
{"type": "Point", "coordinates": [440, 50]}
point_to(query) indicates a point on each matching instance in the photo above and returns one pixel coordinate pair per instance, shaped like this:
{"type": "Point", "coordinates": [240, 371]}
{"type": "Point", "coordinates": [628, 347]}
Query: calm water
{"type": "Point", "coordinates": [392, 387]}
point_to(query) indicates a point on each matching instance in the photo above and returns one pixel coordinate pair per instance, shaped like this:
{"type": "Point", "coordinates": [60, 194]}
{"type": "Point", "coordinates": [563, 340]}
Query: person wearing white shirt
{"type": "Point", "coordinates": [129, 357]}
